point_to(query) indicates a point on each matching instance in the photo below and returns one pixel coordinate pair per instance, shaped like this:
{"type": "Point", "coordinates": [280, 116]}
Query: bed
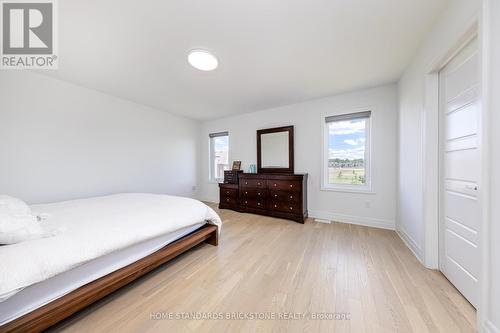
{"type": "Point", "coordinates": [108, 242]}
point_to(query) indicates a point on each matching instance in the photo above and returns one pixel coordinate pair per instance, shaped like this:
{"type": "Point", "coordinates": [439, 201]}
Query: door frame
{"type": "Point", "coordinates": [430, 171]}
{"type": "Point", "coordinates": [431, 151]}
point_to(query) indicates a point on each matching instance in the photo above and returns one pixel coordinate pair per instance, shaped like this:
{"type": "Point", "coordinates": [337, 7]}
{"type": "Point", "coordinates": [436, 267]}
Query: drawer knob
{"type": "Point", "coordinates": [246, 183]}
{"type": "Point", "coordinates": [291, 208]}
{"type": "Point", "coordinates": [291, 197]}
{"type": "Point", "coordinates": [291, 185]}
{"type": "Point", "coordinates": [246, 202]}
{"type": "Point", "coordinates": [275, 206]}
{"type": "Point", "coordinates": [246, 192]}
{"type": "Point", "coordinates": [258, 203]}
{"type": "Point", "coordinates": [258, 184]}
{"type": "Point", "coordinates": [258, 193]}
{"type": "Point", "coordinates": [227, 200]}
{"type": "Point", "coordinates": [275, 195]}
{"type": "Point", "coordinates": [274, 185]}
{"type": "Point", "coordinates": [227, 192]}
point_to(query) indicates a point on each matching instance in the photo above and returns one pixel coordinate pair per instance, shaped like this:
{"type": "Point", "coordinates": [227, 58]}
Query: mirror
{"type": "Point", "coordinates": [275, 150]}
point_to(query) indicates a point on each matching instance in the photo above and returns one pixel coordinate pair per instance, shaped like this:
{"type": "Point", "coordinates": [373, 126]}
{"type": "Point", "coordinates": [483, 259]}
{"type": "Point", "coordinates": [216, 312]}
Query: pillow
{"type": "Point", "coordinates": [15, 228]}
{"type": "Point", "coordinates": [11, 205]}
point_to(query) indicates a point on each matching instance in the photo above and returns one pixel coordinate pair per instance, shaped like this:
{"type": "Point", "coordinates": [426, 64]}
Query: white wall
{"type": "Point", "coordinates": [491, 44]}
{"type": "Point", "coordinates": [61, 141]}
{"type": "Point", "coordinates": [306, 117]}
{"type": "Point", "coordinates": [411, 216]}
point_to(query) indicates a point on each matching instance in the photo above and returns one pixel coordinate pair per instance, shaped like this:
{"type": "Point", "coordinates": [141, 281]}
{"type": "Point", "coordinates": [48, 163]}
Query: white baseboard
{"type": "Point", "coordinates": [351, 219]}
{"type": "Point", "coordinates": [489, 327]}
{"type": "Point", "coordinates": [322, 221]}
{"type": "Point", "coordinates": [342, 218]}
{"type": "Point", "coordinates": [211, 200]}
{"type": "Point", "coordinates": [411, 244]}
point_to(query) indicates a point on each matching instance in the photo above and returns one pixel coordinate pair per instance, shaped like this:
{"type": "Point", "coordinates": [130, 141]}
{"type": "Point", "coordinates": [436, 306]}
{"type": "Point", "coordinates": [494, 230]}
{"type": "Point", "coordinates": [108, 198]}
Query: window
{"type": "Point", "coordinates": [219, 155]}
{"type": "Point", "coordinates": [346, 164]}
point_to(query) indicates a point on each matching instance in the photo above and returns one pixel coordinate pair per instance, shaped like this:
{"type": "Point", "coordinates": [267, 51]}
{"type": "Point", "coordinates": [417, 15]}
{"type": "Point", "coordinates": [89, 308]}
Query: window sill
{"type": "Point", "coordinates": [216, 181]}
{"type": "Point", "coordinates": [348, 190]}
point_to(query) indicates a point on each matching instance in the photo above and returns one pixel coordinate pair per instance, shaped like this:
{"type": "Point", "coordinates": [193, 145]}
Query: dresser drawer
{"type": "Point", "coordinates": [229, 192]}
{"type": "Point", "coordinates": [228, 201]}
{"type": "Point", "coordinates": [288, 207]}
{"type": "Point", "coordinates": [253, 203]}
{"type": "Point", "coordinates": [284, 196]}
{"type": "Point", "coordinates": [253, 183]}
{"type": "Point", "coordinates": [289, 185]}
{"type": "Point", "coordinates": [252, 193]}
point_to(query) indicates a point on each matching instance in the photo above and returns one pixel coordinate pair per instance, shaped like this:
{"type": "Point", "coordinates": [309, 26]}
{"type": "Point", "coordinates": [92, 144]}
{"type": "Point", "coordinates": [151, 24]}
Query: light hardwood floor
{"type": "Point", "coordinates": [267, 265]}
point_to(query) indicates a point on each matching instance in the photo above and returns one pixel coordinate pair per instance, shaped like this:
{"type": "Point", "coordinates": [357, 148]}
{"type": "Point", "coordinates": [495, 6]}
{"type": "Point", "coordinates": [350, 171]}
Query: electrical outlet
{"type": "Point", "coordinates": [194, 188]}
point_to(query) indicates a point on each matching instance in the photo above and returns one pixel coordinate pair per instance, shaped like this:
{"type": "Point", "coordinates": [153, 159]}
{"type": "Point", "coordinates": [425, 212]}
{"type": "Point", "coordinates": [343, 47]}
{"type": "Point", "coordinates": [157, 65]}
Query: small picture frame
{"type": "Point", "coordinates": [236, 165]}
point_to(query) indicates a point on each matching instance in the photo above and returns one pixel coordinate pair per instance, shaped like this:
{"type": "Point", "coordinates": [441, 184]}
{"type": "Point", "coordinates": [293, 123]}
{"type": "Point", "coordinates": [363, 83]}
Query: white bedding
{"type": "Point", "coordinates": [90, 228]}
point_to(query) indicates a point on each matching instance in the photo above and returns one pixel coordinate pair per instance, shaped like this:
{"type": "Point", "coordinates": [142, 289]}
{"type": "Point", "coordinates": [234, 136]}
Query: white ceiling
{"type": "Point", "coordinates": [271, 52]}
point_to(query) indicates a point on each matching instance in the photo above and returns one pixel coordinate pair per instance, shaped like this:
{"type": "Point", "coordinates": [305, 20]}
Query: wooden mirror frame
{"type": "Point", "coordinates": [290, 168]}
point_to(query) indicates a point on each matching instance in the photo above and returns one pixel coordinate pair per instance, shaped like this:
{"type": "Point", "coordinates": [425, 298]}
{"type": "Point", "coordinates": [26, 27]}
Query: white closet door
{"type": "Point", "coordinates": [460, 170]}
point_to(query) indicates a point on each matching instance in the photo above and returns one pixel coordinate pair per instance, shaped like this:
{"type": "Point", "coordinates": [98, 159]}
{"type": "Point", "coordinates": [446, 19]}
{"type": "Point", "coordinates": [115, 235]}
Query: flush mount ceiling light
{"type": "Point", "coordinates": [202, 60]}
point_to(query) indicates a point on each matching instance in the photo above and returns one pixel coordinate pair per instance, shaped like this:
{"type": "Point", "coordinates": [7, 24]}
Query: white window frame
{"type": "Point", "coordinates": [367, 187]}
{"type": "Point", "coordinates": [211, 155]}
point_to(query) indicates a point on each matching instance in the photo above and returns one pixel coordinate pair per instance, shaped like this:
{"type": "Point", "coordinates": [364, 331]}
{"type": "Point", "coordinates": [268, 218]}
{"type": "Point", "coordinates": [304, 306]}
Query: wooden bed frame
{"type": "Point", "coordinates": [63, 307]}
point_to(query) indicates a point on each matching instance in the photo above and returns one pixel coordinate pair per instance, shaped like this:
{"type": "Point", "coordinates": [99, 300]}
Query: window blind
{"type": "Point", "coordinates": [349, 116]}
{"type": "Point", "coordinates": [214, 135]}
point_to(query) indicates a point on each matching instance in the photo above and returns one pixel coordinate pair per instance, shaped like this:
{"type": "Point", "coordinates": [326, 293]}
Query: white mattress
{"type": "Point", "coordinates": [86, 229]}
{"type": "Point", "coordinates": [39, 294]}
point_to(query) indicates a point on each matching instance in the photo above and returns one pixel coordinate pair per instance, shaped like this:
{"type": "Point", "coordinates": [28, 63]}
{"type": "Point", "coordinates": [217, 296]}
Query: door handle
{"type": "Point", "coordinates": [470, 187]}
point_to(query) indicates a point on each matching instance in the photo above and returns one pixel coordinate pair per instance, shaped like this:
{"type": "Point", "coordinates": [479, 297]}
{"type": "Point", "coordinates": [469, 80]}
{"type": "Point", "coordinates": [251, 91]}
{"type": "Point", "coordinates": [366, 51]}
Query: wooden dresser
{"type": "Point", "coordinates": [279, 195]}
